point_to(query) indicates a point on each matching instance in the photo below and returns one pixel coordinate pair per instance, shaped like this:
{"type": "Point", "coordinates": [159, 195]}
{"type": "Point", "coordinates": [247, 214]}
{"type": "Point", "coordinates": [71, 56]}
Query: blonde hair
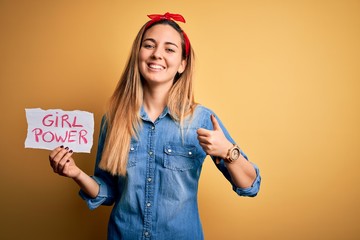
{"type": "Point", "coordinates": [122, 116]}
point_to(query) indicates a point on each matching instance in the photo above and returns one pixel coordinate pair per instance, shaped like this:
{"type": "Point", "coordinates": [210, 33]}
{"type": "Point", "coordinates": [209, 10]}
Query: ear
{"type": "Point", "coordinates": [182, 66]}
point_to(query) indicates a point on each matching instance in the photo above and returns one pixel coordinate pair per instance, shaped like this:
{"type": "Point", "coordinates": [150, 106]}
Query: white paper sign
{"type": "Point", "coordinates": [48, 129]}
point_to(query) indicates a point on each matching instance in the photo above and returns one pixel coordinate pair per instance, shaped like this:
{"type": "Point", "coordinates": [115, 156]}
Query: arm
{"type": "Point", "coordinates": [96, 190]}
{"type": "Point", "coordinates": [215, 143]}
{"type": "Point", "coordinates": [63, 164]}
{"type": "Point", "coordinates": [242, 172]}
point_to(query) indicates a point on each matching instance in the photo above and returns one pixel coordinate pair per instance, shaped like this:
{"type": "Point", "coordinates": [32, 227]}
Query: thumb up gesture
{"type": "Point", "coordinates": [214, 142]}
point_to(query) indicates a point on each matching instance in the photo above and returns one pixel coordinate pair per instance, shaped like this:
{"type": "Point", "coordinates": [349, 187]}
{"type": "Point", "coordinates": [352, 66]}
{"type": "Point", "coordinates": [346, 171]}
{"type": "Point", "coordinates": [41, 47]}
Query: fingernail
{"type": "Point", "coordinates": [70, 151]}
{"type": "Point", "coordinates": [62, 146]}
{"type": "Point", "coordinates": [68, 160]}
{"type": "Point", "coordinates": [67, 148]}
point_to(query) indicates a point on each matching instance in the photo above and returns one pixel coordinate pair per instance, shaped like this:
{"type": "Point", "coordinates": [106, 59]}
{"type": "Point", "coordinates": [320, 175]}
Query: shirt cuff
{"type": "Point", "coordinates": [253, 190]}
{"type": "Point", "coordinates": [103, 195]}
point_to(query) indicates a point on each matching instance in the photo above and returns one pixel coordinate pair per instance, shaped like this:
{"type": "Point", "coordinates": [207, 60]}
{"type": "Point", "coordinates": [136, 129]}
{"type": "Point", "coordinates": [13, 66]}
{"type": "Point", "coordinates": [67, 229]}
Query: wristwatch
{"type": "Point", "coordinates": [233, 154]}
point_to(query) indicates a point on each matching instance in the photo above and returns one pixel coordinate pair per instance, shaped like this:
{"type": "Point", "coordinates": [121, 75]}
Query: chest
{"type": "Point", "coordinates": [166, 145]}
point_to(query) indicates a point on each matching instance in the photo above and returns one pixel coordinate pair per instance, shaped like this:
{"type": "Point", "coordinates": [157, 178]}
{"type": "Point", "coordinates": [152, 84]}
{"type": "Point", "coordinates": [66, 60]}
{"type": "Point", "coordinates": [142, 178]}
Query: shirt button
{"type": "Point", "coordinates": [150, 153]}
{"type": "Point", "coordinates": [169, 150]}
{"type": "Point", "coordinates": [132, 148]}
{"type": "Point", "coordinates": [148, 204]}
{"type": "Point", "coordinates": [190, 153]}
{"type": "Point", "coordinates": [152, 127]}
{"type": "Point", "coordinates": [146, 234]}
{"type": "Point", "coordinates": [149, 179]}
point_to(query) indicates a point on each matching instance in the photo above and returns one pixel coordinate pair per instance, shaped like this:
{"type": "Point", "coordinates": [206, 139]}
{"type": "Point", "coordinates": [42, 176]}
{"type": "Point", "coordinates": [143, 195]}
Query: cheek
{"type": "Point", "coordinates": [141, 60]}
{"type": "Point", "coordinates": [141, 56]}
{"type": "Point", "coordinates": [144, 54]}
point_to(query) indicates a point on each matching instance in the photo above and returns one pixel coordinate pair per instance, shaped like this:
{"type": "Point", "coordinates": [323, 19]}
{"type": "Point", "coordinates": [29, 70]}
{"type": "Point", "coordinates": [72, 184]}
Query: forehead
{"type": "Point", "coordinates": [163, 32]}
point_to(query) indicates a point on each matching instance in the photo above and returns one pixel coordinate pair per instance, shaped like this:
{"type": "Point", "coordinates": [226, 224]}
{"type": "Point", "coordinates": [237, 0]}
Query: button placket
{"type": "Point", "coordinates": [149, 185]}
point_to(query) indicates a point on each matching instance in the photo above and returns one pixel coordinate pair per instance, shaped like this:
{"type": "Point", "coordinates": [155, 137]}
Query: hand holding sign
{"type": "Point", "coordinates": [62, 163]}
{"type": "Point", "coordinates": [48, 129]}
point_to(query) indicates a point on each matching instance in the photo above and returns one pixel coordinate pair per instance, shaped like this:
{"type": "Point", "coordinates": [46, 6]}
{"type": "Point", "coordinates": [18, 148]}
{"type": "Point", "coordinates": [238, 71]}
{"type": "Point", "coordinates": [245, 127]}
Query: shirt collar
{"type": "Point", "coordinates": [145, 117]}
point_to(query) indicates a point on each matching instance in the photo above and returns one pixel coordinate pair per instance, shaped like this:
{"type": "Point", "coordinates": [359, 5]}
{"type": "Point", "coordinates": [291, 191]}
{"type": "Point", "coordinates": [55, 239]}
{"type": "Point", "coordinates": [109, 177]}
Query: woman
{"type": "Point", "coordinates": [153, 141]}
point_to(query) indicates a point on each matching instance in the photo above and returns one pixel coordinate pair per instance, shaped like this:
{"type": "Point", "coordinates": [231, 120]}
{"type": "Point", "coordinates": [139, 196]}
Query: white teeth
{"type": "Point", "coordinates": [155, 66]}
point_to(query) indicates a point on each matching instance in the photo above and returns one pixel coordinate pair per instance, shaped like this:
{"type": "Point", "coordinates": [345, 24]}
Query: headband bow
{"type": "Point", "coordinates": [172, 17]}
{"type": "Point", "coordinates": [168, 16]}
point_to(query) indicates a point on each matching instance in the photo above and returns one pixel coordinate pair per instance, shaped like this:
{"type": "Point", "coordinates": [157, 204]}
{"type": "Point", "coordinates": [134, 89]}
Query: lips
{"type": "Point", "coordinates": [156, 66]}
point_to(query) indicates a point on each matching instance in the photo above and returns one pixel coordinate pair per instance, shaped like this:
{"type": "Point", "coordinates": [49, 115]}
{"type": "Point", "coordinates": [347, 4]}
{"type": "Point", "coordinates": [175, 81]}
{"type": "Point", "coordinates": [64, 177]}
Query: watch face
{"type": "Point", "coordinates": [235, 153]}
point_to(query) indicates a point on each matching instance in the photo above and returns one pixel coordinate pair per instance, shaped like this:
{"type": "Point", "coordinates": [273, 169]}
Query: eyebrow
{"type": "Point", "coordinates": [153, 40]}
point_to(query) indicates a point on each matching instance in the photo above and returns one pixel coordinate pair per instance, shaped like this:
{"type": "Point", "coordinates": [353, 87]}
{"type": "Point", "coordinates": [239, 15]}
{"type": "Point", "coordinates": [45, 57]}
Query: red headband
{"type": "Point", "coordinates": [173, 17]}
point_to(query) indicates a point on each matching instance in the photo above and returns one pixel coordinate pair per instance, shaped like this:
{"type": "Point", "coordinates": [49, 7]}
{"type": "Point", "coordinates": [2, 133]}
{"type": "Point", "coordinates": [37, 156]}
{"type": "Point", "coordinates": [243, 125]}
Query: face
{"type": "Point", "coordinates": [160, 56]}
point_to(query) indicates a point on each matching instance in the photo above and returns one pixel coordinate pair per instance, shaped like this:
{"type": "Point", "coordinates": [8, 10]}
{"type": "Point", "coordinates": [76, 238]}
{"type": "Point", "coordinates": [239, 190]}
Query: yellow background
{"type": "Point", "coordinates": [284, 77]}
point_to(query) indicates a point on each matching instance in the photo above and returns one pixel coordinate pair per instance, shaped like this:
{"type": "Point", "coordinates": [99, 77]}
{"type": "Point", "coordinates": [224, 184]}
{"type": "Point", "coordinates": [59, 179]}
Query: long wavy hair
{"type": "Point", "coordinates": [123, 111]}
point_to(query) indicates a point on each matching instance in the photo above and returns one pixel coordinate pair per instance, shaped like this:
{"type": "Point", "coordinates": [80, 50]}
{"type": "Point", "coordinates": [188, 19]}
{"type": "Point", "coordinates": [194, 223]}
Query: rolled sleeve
{"type": "Point", "coordinates": [105, 196]}
{"type": "Point", "coordinates": [253, 190]}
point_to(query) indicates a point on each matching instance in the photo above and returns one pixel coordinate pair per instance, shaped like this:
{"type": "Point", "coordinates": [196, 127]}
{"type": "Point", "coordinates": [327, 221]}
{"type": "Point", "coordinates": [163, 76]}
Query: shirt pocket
{"type": "Point", "coordinates": [132, 158]}
{"type": "Point", "coordinates": [180, 157]}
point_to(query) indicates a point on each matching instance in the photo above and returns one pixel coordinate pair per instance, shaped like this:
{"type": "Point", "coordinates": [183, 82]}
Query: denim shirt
{"type": "Point", "coordinates": [157, 199]}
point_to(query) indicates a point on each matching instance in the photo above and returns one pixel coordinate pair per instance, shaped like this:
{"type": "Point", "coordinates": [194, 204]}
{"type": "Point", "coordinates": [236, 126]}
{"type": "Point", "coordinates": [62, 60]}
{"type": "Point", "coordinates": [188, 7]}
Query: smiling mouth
{"type": "Point", "coordinates": [156, 67]}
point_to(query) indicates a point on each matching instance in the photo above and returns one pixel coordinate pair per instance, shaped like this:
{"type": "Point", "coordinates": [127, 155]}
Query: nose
{"type": "Point", "coordinates": [157, 54]}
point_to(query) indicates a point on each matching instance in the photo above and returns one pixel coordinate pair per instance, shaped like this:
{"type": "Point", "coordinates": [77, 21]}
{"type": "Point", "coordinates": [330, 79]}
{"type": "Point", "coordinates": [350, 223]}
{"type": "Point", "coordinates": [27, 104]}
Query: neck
{"type": "Point", "coordinates": [155, 100]}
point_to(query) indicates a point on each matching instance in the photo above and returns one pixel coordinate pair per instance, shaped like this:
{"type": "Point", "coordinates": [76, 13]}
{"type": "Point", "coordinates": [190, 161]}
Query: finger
{"type": "Point", "coordinates": [61, 166]}
{"type": "Point", "coordinates": [203, 140]}
{"type": "Point", "coordinates": [65, 169]}
{"type": "Point", "coordinates": [58, 157]}
{"type": "Point", "coordinates": [63, 161]}
{"type": "Point", "coordinates": [215, 123]}
{"type": "Point", "coordinates": [60, 154]}
{"type": "Point", "coordinates": [208, 149]}
{"type": "Point", "coordinates": [203, 132]}
{"type": "Point", "coordinates": [204, 146]}
{"type": "Point", "coordinates": [52, 155]}
{"type": "Point", "coordinates": [55, 152]}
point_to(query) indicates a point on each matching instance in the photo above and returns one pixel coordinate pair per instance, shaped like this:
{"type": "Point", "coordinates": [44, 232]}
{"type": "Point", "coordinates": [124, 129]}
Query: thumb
{"type": "Point", "coordinates": [215, 123]}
